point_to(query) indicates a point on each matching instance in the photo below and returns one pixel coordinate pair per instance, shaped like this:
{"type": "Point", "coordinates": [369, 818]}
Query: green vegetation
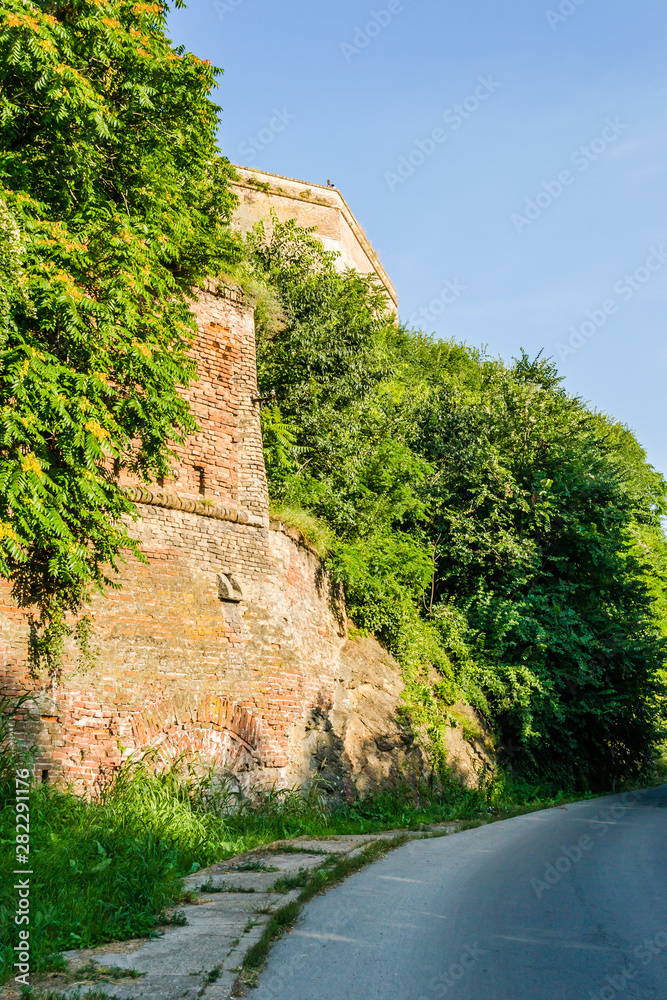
{"type": "Point", "coordinates": [502, 539]}
{"type": "Point", "coordinates": [113, 205]}
{"type": "Point", "coordinates": [316, 533]}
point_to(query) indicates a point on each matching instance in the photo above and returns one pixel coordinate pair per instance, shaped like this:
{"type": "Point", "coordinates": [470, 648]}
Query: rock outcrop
{"type": "Point", "coordinates": [366, 743]}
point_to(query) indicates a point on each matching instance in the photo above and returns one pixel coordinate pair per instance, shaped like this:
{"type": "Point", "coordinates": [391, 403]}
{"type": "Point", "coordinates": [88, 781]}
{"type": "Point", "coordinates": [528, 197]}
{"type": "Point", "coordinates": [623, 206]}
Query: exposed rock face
{"type": "Point", "coordinates": [470, 752]}
{"type": "Point", "coordinates": [365, 743]}
{"type": "Point", "coordinates": [361, 743]}
{"type": "Point", "coordinates": [380, 745]}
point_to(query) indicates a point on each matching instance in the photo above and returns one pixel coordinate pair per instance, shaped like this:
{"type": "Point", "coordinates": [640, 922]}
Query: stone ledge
{"type": "Point", "coordinates": [224, 291]}
{"type": "Point", "coordinates": [171, 501]}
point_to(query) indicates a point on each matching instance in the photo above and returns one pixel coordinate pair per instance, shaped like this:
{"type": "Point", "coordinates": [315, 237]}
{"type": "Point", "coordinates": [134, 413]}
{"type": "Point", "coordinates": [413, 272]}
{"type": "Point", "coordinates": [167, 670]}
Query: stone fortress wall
{"type": "Point", "coordinates": [231, 642]}
{"type": "Point", "coordinates": [260, 192]}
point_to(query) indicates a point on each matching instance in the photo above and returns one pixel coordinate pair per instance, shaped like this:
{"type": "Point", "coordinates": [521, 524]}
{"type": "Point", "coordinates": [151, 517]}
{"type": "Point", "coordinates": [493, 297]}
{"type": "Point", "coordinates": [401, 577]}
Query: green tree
{"type": "Point", "coordinates": [503, 540]}
{"type": "Point", "coordinates": [114, 204]}
{"type": "Point", "coordinates": [536, 516]}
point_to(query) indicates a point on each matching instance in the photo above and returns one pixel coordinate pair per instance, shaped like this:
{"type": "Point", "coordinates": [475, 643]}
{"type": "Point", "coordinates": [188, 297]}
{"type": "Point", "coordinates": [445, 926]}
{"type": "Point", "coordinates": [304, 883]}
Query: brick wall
{"type": "Point", "coordinates": [223, 462]}
{"type": "Point", "coordinates": [231, 634]}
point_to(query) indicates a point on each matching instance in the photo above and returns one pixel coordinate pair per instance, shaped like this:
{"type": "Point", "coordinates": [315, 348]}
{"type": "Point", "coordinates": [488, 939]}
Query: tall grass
{"type": "Point", "coordinates": [106, 869]}
{"type": "Point", "coordinates": [316, 532]}
{"type": "Point", "coordinates": [13, 756]}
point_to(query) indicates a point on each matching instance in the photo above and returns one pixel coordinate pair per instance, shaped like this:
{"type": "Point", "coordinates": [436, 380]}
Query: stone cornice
{"type": "Point", "coordinates": [171, 501]}
{"type": "Point", "coordinates": [215, 286]}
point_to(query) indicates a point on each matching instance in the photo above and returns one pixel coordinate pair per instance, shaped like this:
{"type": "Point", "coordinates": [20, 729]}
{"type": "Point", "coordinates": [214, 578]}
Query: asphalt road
{"type": "Point", "coordinates": [568, 903]}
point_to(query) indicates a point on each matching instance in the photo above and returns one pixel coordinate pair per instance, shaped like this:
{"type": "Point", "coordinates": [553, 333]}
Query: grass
{"type": "Point", "coordinates": [255, 866]}
{"type": "Point", "coordinates": [209, 888]}
{"type": "Point", "coordinates": [109, 869]}
{"type": "Point", "coordinates": [291, 849]}
{"type": "Point", "coordinates": [87, 974]}
{"type": "Point", "coordinates": [30, 994]}
{"type": "Point", "coordinates": [289, 882]}
{"type": "Point", "coordinates": [318, 534]}
{"type": "Point", "coordinates": [92, 973]}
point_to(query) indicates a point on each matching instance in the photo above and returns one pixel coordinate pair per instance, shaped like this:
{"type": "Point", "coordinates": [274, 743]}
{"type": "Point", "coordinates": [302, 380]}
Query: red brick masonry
{"type": "Point", "coordinates": [230, 635]}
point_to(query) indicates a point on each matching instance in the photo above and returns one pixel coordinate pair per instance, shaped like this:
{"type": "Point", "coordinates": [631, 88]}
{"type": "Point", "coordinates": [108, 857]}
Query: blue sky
{"type": "Point", "coordinates": [507, 159]}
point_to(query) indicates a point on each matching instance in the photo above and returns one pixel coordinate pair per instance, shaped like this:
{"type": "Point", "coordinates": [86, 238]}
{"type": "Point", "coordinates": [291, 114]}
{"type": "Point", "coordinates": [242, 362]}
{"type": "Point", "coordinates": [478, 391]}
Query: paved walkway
{"type": "Point", "coordinates": [564, 904]}
{"type": "Point", "coordinates": [234, 901]}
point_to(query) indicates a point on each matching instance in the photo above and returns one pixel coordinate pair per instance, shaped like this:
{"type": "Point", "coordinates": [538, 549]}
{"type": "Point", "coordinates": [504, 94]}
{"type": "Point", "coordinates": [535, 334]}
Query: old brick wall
{"type": "Point", "coordinates": [179, 665]}
{"type": "Point", "coordinates": [229, 636]}
{"type": "Point", "coordinates": [223, 463]}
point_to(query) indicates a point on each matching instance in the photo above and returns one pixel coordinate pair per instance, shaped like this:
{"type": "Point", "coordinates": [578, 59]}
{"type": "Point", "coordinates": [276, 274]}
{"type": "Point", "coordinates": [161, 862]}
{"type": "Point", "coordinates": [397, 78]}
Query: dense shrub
{"type": "Point", "coordinates": [500, 537]}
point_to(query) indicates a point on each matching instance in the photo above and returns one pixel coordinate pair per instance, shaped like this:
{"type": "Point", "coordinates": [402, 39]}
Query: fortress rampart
{"type": "Point", "coordinates": [312, 205]}
{"type": "Point", "coordinates": [230, 635]}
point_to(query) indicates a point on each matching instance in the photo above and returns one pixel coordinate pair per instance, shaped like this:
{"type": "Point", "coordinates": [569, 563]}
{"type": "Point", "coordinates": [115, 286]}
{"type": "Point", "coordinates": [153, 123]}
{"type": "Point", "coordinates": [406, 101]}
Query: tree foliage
{"type": "Point", "coordinates": [503, 539]}
{"type": "Point", "coordinates": [113, 205]}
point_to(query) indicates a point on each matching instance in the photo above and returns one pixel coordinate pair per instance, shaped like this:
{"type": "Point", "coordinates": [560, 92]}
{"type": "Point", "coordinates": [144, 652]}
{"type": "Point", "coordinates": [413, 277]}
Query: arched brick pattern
{"type": "Point", "coordinates": [211, 724]}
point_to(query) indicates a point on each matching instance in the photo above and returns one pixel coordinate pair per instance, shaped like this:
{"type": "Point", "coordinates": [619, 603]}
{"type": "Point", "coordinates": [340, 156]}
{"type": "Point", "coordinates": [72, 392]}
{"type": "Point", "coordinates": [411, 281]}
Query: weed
{"type": "Point", "coordinates": [93, 973]}
{"type": "Point", "coordinates": [247, 979]}
{"type": "Point", "coordinates": [252, 866]}
{"type": "Point", "coordinates": [315, 532]}
{"type": "Point", "coordinates": [28, 993]}
{"type": "Point", "coordinates": [209, 888]}
{"type": "Point", "coordinates": [276, 927]}
{"type": "Point", "coordinates": [291, 849]}
{"type": "Point", "coordinates": [177, 919]}
{"type": "Point", "coordinates": [290, 882]}
{"type": "Point", "coordinates": [13, 756]}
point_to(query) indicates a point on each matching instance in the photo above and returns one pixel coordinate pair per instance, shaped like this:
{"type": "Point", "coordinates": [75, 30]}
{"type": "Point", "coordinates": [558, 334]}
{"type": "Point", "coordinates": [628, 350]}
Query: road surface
{"type": "Point", "coordinates": [565, 904]}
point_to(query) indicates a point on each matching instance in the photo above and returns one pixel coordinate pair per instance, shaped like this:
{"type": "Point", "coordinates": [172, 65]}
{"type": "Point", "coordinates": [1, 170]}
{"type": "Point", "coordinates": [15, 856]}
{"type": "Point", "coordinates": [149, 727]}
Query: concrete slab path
{"type": "Point", "coordinates": [201, 959]}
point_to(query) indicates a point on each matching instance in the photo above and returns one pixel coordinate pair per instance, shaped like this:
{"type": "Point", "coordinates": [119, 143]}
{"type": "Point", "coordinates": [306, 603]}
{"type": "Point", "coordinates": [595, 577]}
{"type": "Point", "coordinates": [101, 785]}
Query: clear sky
{"type": "Point", "coordinates": [507, 159]}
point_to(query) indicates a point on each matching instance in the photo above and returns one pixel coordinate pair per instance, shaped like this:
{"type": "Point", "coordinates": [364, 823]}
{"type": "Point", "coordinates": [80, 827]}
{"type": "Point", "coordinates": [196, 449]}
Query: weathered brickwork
{"type": "Point", "coordinates": [230, 635]}
{"type": "Point", "coordinates": [249, 669]}
{"type": "Point", "coordinates": [223, 463]}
